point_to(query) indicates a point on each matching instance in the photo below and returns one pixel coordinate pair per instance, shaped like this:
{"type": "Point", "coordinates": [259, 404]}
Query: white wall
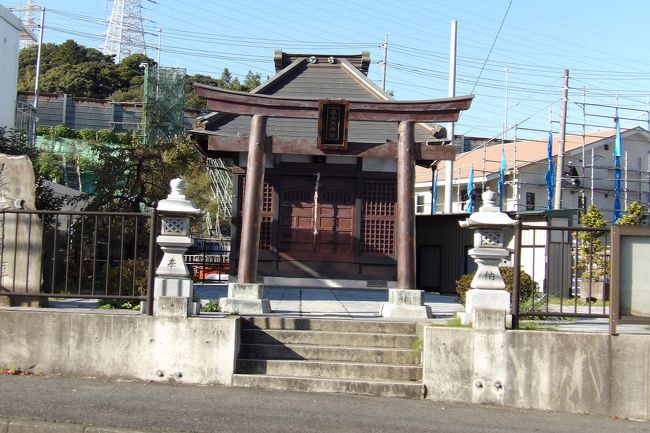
{"type": "Point", "coordinates": [9, 39]}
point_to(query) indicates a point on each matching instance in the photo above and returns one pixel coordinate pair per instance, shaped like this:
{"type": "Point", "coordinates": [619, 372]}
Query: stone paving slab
{"type": "Point", "coordinates": [331, 302]}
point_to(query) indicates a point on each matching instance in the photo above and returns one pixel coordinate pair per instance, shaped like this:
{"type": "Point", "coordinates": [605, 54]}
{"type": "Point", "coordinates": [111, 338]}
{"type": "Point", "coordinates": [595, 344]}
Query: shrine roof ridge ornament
{"type": "Point", "coordinates": [244, 103]}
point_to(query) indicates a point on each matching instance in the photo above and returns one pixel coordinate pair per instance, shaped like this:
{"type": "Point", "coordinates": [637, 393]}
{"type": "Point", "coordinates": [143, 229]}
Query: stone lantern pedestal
{"type": "Point", "coordinates": [173, 289]}
{"type": "Point", "coordinates": [488, 289]}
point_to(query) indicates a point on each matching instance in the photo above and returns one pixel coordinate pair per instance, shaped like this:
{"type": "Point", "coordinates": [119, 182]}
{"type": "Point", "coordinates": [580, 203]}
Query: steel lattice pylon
{"type": "Point", "coordinates": [125, 34]}
{"type": "Point", "coordinates": [26, 15]}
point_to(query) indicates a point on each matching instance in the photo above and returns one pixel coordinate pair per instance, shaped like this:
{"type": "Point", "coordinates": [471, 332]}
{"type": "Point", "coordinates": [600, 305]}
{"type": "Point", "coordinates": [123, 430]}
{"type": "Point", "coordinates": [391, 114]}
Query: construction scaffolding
{"type": "Point", "coordinates": [221, 185]}
{"type": "Point", "coordinates": [589, 174]}
{"type": "Point", "coordinates": [164, 98]}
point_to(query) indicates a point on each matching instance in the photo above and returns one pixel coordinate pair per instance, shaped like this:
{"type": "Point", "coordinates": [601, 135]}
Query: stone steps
{"type": "Point", "coordinates": [330, 353]}
{"type": "Point", "coordinates": [328, 338]}
{"type": "Point", "coordinates": [369, 357]}
{"type": "Point", "coordinates": [413, 390]}
{"type": "Point", "coordinates": [335, 325]}
{"type": "Point", "coordinates": [332, 369]}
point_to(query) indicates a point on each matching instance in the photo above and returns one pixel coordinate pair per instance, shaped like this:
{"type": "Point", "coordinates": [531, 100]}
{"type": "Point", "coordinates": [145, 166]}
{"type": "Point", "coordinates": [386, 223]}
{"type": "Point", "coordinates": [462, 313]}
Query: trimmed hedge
{"type": "Point", "coordinates": [528, 285]}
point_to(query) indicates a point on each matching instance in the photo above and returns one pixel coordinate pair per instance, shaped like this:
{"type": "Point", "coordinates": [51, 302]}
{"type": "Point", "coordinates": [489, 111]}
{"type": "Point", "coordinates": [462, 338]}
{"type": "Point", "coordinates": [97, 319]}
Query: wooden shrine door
{"type": "Point", "coordinates": [317, 221]}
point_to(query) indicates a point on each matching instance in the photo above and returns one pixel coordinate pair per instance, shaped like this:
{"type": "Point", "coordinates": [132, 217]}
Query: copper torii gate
{"type": "Point", "coordinates": [261, 107]}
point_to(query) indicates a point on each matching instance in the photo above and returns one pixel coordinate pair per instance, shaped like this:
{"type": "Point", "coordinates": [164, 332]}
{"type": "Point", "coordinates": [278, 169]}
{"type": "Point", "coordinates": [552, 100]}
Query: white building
{"type": "Point", "coordinates": [525, 188]}
{"type": "Point", "coordinates": [590, 181]}
{"type": "Point", "coordinates": [11, 31]}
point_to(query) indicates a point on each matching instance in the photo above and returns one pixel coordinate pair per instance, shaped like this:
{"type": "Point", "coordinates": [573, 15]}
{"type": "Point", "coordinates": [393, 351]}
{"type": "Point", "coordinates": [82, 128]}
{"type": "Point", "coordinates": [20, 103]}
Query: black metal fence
{"type": "Point", "coordinates": [97, 255]}
{"type": "Point", "coordinates": [209, 260]}
{"type": "Point", "coordinates": [568, 271]}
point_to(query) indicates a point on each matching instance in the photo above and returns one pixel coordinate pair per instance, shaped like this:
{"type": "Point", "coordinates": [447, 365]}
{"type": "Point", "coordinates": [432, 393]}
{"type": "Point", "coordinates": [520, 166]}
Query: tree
{"type": "Point", "coordinates": [592, 260]}
{"type": "Point", "coordinates": [192, 100]}
{"type": "Point", "coordinates": [132, 176]}
{"type": "Point", "coordinates": [635, 214]}
{"type": "Point", "coordinates": [83, 72]}
{"type": "Point", "coordinates": [131, 76]}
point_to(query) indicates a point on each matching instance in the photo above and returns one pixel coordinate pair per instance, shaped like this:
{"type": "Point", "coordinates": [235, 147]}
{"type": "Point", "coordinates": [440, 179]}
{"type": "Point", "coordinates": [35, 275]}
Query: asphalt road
{"type": "Point", "coordinates": [169, 407]}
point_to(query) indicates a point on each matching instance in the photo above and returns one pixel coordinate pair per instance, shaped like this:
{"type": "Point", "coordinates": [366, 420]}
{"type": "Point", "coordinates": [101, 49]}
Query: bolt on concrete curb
{"type": "Point", "coordinates": [18, 425]}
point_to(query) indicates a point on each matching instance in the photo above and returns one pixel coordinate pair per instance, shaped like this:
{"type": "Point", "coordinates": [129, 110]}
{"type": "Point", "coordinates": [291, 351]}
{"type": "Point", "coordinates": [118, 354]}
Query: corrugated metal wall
{"type": "Point", "coordinates": [442, 233]}
{"type": "Point", "coordinates": [84, 113]}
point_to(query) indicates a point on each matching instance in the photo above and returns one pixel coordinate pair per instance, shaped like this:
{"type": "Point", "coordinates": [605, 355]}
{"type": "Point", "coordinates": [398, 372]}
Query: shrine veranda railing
{"type": "Point", "coordinates": [95, 255]}
{"type": "Point", "coordinates": [560, 261]}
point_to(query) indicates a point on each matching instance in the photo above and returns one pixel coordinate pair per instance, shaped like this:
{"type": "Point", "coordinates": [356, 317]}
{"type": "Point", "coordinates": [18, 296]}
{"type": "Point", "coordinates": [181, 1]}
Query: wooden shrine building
{"type": "Point", "coordinates": [324, 169]}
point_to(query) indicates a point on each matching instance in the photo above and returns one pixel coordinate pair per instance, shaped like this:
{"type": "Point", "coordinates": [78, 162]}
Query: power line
{"type": "Point", "coordinates": [492, 47]}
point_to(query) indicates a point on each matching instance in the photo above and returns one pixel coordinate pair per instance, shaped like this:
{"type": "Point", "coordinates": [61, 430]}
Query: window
{"type": "Point", "coordinates": [530, 201]}
{"type": "Point", "coordinates": [378, 218]}
{"type": "Point", "coordinates": [419, 203]}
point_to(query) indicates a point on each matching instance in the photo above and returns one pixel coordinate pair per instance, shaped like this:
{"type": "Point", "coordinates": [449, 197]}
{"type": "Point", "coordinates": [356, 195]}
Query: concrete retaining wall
{"type": "Point", "coordinates": [194, 350]}
{"type": "Point", "coordinates": [570, 372]}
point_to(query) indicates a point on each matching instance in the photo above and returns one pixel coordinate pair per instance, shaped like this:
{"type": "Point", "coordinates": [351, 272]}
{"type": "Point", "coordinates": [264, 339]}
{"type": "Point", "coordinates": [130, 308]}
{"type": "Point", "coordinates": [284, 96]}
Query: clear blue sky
{"type": "Point", "coordinates": [604, 44]}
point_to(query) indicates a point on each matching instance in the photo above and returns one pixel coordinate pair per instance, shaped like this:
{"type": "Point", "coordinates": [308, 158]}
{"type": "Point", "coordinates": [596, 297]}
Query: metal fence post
{"type": "Point", "coordinates": [516, 283]}
{"type": "Point", "coordinates": [151, 274]}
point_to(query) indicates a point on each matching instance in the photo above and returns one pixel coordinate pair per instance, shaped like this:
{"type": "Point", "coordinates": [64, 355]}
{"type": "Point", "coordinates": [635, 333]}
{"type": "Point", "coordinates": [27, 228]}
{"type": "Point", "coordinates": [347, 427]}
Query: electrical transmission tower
{"type": "Point", "coordinates": [27, 16]}
{"type": "Point", "coordinates": [125, 34]}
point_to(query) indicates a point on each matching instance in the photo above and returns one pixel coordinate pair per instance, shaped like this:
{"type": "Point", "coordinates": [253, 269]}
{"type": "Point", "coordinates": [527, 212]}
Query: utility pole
{"type": "Point", "coordinates": [648, 157]}
{"type": "Point", "coordinates": [592, 175]}
{"type": "Point", "coordinates": [449, 166]}
{"type": "Point", "coordinates": [505, 109]}
{"type": "Point", "coordinates": [159, 44]}
{"type": "Point", "coordinates": [557, 199]}
{"type": "Point", "coordinates": [385, 64]}
{"type": "Point", "coordinates": [38, 59]}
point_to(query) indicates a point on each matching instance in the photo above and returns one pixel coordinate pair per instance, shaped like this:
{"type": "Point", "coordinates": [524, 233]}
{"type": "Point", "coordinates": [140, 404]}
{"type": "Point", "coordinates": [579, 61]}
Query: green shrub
{"type": "Point", "coordinates": [211, 307]}
{"type": "Point", "coordinates": [528, 285]}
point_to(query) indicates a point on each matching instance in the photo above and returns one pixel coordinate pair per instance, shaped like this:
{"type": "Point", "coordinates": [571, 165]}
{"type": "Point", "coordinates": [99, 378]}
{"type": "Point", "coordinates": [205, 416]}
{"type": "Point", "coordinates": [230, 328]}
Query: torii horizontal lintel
{"type": "Point", "coordinates": [433, 110]}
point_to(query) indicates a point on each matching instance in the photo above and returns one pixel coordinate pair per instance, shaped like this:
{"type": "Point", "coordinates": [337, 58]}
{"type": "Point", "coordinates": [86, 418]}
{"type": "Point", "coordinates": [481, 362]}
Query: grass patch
{"type": "Point", "coordinates": [453, 322]}
{"type": "Point", "coordinates": [417, 345]}
{"type": "Point", "coordinates": [211, 306]}
{"type": "Point", "coordinates": [531, 325]}
{"type": "Point", "coordinates": [583, 302]}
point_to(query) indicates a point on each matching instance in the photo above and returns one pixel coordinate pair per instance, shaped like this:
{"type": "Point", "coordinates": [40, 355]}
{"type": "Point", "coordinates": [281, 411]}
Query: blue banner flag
{"type": "Point", "coordinates": [618, 151]}
{"type": "Point", "coordinates": [434, 193]}
{"type": "Point", "coordinates": [618, 143]}
{"type": "Point", "coordinates": [470, 192]}
{"type": "Point", "coordinates": [502, 174]}
{"type": "Point", "coordinates": [550, 172]}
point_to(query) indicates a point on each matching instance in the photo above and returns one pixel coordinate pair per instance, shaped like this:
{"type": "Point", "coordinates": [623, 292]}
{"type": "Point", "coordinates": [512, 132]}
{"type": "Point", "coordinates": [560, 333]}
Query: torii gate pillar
{"type": "Point", "coordinates": [246, 295]}
{"type": "Point", "coordinates": [405, 300]}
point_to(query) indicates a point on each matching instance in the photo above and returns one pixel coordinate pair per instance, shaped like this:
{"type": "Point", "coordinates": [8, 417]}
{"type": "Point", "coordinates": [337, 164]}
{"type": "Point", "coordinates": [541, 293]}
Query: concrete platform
{"type": "Point", "coordinates": [332, 302]}
{"type": "Point", "coordinates": [355, 303]}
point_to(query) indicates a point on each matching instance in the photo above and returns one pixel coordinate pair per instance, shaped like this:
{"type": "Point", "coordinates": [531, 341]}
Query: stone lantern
{"type": "Point", "coordinates": [488, 289]}
{"type": "Point", "coordinates": [173, 289]}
